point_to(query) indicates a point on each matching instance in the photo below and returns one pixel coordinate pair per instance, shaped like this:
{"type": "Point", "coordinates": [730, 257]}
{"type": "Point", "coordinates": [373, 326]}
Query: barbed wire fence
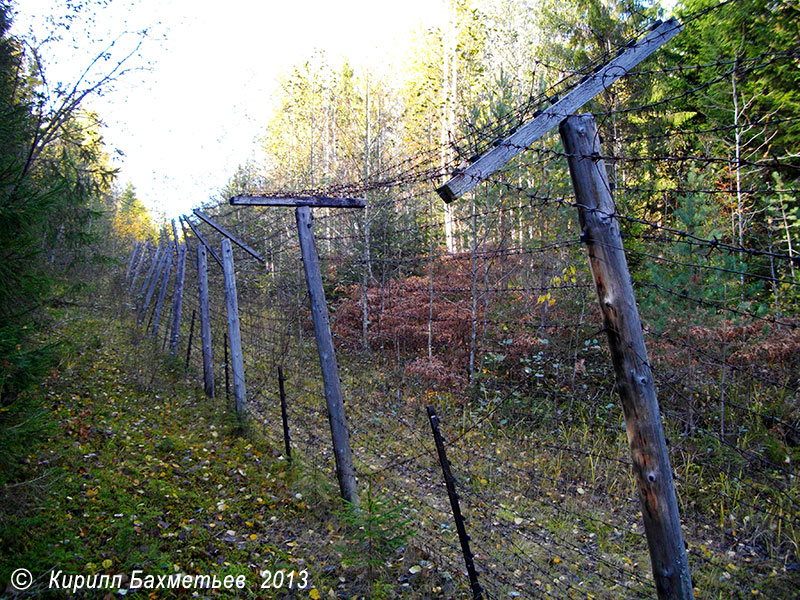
{"type": "Point", "coordinates": [502, 336]}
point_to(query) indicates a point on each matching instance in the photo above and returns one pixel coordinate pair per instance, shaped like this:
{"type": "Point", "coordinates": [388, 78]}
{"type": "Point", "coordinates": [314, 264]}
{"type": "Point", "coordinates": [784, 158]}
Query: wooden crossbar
{"type": "Point", "coordinates": [493, 160]}
{"type": "Point", "coordinates": [295, 201]}
{"type": "Point", "coordinates": [203, 241]}
{"type": "Point", "coordinates": [231, 236]}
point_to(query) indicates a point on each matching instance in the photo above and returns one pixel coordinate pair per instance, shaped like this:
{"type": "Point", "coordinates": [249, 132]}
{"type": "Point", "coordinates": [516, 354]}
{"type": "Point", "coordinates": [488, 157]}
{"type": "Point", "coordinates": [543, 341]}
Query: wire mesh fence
{"type": "Point", "coordinates": [486, 310]}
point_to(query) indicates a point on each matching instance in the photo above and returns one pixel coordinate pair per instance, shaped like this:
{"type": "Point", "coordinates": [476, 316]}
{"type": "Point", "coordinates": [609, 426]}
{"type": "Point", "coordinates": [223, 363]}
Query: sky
{"type": "Point", "coordinates": [198, 102]}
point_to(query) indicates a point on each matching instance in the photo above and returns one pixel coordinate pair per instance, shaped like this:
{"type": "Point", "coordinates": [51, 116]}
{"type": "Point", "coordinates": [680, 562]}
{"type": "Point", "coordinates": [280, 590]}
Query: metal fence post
{"type": "Point", "coordinates": [463, 537]}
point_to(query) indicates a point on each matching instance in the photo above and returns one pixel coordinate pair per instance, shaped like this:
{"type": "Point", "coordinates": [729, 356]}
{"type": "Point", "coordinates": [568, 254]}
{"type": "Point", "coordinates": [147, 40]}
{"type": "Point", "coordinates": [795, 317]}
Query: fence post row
{"type": "Point", "coordinates": [463, 537]}
{"type": "Point", "coordinates": [651, 465]}
{"type": "Point", "coordinates": [205, 321]}
{"type": "Point", "coordinates": [345, 471]}
{"type": "Point", "coordinates": [234, 334]}
{"type": "Point", "coordinates": [177, 303]}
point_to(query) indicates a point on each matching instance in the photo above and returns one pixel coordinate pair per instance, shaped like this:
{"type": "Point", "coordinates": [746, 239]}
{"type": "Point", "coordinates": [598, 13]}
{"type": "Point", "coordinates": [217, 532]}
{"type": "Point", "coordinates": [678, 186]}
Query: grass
{"type": "Point", "coordinates": [112, 465]}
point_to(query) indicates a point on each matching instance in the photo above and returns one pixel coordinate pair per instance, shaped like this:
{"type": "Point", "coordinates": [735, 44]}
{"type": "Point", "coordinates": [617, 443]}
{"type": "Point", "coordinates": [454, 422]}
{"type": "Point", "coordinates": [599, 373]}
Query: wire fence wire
{"type": "Point", "coordinates": [500, 332]}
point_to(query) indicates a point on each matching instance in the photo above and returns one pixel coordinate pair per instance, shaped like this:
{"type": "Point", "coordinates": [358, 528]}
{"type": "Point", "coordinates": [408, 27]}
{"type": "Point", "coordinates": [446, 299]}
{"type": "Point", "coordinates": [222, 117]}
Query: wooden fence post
{"type": "Point", "coordinates": [345, 471]}
{"type": "Point", "coordinates": [132, 260]}
{"type": "Point", "coordinates": [153, 265]}
{"type": "Point", "coordinates": [234, 335]}
{"type": "Point", "coordinates": [162, 293]}
{"type": "Point", "coordinates": [177, 303]}
{"type": "Point", "coordinates": [153, 279]}
{"type": "Point", "coordinates": [651, 465]}
{"type": "Point", "coordinates": [141, 262]}
{"type": "Point", "coordinates": [205, 321]}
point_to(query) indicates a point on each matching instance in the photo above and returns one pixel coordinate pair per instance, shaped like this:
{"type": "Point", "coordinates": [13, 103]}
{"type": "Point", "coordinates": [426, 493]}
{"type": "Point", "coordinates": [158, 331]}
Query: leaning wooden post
{"type": "Point", "coordinates": [162, 294]}
{"type": "Point", "coordinates": [140, 263]}
{"type": "Point", "coordinates": [205, 321]}
{"type": "Point", "coordinates": [154, 278]}
{"type": "Point", "coordinates": [234, 335]}
{"type": "Point", "coordinates": [345, 471]}
{"type": "Point", "coordinates": [132, 261]}
{"type": "Point", "coordinates": [153, 266]}
{"type": "Point", "coordinates": [177, 303]}
{"type": "Point", "coordinates": [651, 465]}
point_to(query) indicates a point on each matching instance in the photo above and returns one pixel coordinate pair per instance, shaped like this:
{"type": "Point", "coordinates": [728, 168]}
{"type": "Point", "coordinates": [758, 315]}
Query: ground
{"type": "Point", "coordinates": [130, 467]}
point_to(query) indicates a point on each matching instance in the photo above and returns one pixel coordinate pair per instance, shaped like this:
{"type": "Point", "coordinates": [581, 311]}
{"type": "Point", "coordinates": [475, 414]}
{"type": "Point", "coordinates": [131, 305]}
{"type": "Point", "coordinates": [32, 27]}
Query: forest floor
{"type": "Point", "coordinates": [119, 466]}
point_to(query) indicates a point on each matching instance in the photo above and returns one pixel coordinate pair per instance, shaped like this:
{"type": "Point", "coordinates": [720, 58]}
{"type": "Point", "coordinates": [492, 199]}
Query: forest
{"type": "Point", "coordinates": [147, 425]}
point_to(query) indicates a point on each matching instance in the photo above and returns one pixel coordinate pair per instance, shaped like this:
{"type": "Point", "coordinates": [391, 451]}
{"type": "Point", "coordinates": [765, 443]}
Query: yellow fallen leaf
{"type": "Point", "coordinates": [314, 594]}
{"type": "Point", "coordinates": [107, 563]}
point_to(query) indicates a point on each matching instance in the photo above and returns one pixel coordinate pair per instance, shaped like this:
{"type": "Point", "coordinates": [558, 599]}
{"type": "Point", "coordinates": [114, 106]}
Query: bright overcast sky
{"type": "Point", "coordinates": [197, 112]}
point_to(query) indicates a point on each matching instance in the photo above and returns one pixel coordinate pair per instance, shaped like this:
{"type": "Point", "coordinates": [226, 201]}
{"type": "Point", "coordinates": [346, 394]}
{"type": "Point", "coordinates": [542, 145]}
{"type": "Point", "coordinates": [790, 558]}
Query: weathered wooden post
{"type": "Point", "coordinates": [166, 330]}
{"type": "Point", "coordinates": [153, 281]}
{"type": "Point", "coordinates": [162, 293]}
{"type": "Point", "coordinates": [204, 242]}
{"type": "Point", "coordinates": [345, 471]}
{"type": "Point", "coordinates": [651, 466]}
{"type": "Point", "coordinates": [205, 321]}
{"type": "Point", "coordinates": [132, 259]}
{"type": "Point", "coordinates": [234, 335]}
{"type": "Point", "coordinates": [651, 463]}
{"type": "Point", "coordinates": [141, 262]}
{"type": "Point", "coordinates": [174, 234]}
{"type": "Point", "coordinates": [177, 302]}
{"type": "Point", "coordinates": [153, 266]}
{"type": "Point", "coordinates": [590, 86]}
{"type": "Point", "coordinates": [230, 236]}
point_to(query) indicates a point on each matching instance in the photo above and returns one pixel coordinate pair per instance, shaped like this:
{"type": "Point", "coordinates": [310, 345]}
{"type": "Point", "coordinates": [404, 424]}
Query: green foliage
{"type": "Point", "coordinates": [55, 196]}
{"type": "Point", "coordinates": [22, 362]}
{"type": "Point", "coordinates": [132, 220]}
{"type": "Point", "coordinates": [377, 529]}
